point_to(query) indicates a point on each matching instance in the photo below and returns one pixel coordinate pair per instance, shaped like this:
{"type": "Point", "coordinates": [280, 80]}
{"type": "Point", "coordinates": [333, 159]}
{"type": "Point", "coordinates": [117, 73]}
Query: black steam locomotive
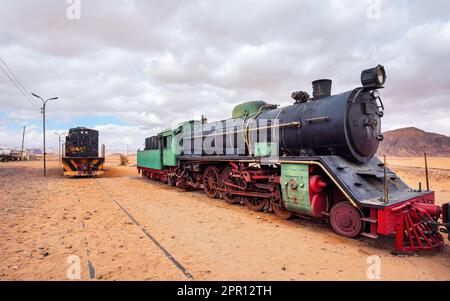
{"type": "Point", "coordinates": [81, 153]}
{"type": "Point", "coordinates": [314, 158]}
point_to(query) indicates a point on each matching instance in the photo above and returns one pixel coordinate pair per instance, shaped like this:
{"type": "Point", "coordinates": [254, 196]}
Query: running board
{"type": "Point", "coordinates": [369, 235]}
{"type": "Point", "coordinates": [369, 220]}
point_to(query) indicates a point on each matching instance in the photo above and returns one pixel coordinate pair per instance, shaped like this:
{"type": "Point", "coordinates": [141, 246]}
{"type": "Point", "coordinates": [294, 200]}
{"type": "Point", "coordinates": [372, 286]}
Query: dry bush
{"type": "Point", "coordinates": [123, 160]}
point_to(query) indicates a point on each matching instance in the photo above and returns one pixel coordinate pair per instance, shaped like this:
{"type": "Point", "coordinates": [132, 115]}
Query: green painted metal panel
{"type": "Point", "coordinates": [248, 108]}
{"type": "Point", "coordinates": [169, 153]}
{"type": "Point", "coordinates": [295, 187]}
{"type": "Point", "coordinates": [149, 159]}
{"type": "Point", "coordinates": [264, 149]}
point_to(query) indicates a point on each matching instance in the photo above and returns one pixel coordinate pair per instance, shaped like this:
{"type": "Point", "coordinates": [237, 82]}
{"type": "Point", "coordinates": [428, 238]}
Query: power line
{"type": "Point", "coordinates": [17, 79]}
{"type": "Point", "coordinates": [18, 84]}
{"type": "Point", "coordinates": [15, 84]}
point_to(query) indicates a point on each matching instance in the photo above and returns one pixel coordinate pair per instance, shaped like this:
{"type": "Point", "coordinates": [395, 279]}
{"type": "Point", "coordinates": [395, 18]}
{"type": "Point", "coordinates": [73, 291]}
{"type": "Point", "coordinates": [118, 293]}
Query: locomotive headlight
{"type": "Point", "coordinates": [374, 77]}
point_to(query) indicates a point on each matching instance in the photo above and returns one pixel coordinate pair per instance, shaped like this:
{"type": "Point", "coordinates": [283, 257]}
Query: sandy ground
{"type": "Point", "coordinates": [412, 171]}
{"type": "Point", "coordinates": [128, 228]}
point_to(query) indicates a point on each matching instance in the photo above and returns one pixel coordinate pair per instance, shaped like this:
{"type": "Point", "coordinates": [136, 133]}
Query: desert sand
{"type": "Point", "coordinates": [412, 171]}
{"type": "Point", "coordinates": [44, 221]}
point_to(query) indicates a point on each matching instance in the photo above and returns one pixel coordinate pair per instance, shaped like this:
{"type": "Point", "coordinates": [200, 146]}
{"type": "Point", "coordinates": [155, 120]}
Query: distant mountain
{"type": "Point", "coordinates": [35, 151]}
{"type": "Point", "coordinates": [412, 142]}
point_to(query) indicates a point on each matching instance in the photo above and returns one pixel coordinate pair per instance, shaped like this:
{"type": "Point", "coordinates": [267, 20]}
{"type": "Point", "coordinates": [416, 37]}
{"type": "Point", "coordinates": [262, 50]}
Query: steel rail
{"type": "Point", "coordinates": [149, 236]}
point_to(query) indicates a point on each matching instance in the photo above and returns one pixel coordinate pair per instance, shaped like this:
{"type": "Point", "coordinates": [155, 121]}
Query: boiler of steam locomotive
{"type": "Point", "coordinates": [346, 124]}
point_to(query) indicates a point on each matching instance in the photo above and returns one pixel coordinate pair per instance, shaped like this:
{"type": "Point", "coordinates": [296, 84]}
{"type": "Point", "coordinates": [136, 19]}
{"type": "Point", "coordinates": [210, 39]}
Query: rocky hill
{"type": "Point", "coordinates": [413, 142]}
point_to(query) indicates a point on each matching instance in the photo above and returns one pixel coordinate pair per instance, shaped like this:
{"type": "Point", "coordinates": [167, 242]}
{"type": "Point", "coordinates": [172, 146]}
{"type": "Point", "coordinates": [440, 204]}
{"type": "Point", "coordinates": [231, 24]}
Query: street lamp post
{"type": "Point", "coordinates": [44, 104]}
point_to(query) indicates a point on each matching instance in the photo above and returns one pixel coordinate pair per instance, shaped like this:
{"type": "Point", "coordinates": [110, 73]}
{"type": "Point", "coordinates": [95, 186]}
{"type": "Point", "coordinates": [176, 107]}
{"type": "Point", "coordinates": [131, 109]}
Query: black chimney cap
{"type": "Point", "coordinates": [322, 88]}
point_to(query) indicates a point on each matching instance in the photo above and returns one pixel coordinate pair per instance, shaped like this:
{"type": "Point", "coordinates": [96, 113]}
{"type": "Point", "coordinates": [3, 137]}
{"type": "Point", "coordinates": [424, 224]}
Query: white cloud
{"type": "Point", "coordinates": [151, 64]}
{"type": "Point", "coordinates": [117, 137]}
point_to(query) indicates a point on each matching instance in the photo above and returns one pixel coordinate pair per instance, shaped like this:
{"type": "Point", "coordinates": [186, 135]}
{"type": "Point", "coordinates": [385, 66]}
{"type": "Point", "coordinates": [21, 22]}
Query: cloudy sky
{"type": "Point", "coordinates": [130, 68]}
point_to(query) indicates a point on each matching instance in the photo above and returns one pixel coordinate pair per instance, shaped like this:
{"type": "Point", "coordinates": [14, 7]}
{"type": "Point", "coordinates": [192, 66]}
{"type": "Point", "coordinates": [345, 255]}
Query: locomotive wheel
{"type": "Point", "coordinates": [255, 204]}
{"type": "Point", "coordinates": [171, 181]}
{"type": "Point", "coordinates": [278, 206]}
{"type": "Point", "coordinates": [231, 199]}
{"type": "Point", "coordinates": [211, 182]}
{"type": "Point", "coordinates": [346, 220]}
{"type": "Point", "coordinates": [226, 195]}
{"type": "Point", "coordinates": [282, 212]}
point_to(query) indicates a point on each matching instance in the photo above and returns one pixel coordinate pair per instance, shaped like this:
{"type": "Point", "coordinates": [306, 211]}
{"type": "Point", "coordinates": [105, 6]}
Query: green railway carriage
{"type": "Point", "coordinates": [150, 158]}
{"type": "Point", "coordinates": [161, 153]}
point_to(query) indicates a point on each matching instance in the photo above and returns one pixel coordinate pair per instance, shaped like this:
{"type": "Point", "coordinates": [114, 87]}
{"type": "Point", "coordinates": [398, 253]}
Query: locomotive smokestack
{"type": "Point", "coordinates": [321, 88]}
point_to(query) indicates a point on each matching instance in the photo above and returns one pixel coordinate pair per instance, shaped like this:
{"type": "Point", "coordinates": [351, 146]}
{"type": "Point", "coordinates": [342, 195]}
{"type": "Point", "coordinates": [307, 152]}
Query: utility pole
{"type": "Point", "coordinates": [44, 104]}
{"type": "Point", "coordinates": [426, 172]}
{"type": "Point", "coordinates": [59, 147]}
{"type": "Point", "coordinates": [23, 141]}
{"type": "Point", "coordinates": [386, 190]}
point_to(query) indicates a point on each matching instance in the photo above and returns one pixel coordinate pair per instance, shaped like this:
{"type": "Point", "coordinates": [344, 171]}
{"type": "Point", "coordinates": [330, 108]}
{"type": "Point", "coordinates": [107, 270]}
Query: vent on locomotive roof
{"type": "Point", "coordinates": [321, 88]}
{"type": "Point", "coordinates": [248, 109]}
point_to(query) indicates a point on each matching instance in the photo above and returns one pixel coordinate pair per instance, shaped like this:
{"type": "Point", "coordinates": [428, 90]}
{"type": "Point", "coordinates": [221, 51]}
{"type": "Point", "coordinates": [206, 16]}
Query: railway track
{"type": "Point", "coordinates": [146, 232]}
{"type": "Point", "coordinates": [86, 244]}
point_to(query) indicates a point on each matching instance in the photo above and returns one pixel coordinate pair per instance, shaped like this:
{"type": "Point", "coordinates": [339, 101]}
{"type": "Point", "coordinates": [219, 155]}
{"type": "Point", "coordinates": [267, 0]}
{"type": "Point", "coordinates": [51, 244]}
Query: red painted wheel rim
{"type": "Point", "coordinates": [278, 206]}
{"type": "Point", "coordinates": [346, 220]}
{"type": "Point", "coordinates": [211, 182]}
{"type": "Point", "coordinates": [255, 204]}
{"type": "Point", "coordinates": [226, 195]}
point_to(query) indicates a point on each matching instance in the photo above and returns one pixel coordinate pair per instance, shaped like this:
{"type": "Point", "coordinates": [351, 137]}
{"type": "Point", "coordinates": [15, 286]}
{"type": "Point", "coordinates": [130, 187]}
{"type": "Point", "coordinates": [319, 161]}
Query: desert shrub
{"type": "Point", "coordinates": [123, 160]}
